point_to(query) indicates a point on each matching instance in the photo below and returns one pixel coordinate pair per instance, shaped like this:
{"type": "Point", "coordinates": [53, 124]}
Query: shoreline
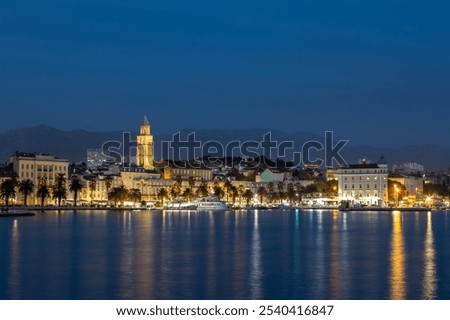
{"type": "Point", "coordinates": [31, 211]}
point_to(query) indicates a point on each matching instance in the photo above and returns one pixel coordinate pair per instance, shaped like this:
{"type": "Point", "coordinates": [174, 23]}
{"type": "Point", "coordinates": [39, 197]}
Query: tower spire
{"type": "Point", "coordinates": [145, 121]}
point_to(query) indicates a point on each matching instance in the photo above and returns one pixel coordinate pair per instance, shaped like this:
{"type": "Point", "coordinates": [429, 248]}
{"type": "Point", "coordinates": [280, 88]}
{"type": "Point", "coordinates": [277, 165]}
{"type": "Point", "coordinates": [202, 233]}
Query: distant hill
{"type": "Point", "coordinates": [73, 144]}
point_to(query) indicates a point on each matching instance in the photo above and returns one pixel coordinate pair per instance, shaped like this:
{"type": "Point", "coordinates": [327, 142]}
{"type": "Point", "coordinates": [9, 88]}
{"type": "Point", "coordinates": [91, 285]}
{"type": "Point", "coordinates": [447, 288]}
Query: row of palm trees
{"type": "Point", "coordinates": [57, 192]}
{"type": "Point", "coordinates": [231, 193]}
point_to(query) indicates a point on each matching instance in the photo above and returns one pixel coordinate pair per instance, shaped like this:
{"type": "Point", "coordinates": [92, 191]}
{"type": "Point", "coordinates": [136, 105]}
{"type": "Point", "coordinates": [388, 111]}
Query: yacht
{"type": "Point", "coordinates": [181, 206]}
{"type": "Point", "coordinates": [212, 205]}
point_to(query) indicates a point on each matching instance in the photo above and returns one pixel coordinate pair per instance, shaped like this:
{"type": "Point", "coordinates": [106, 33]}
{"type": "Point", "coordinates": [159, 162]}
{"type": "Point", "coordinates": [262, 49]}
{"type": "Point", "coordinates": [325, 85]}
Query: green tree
{"type": "Point", "coordinates": [202, 190]}
{"type": "Point", "coordinates": [271, 188]}
{"type": "Point", "coordinates": [300, 190]}
{"type": "Point", "coordinates": [118, 194]}
{"type": "Point", "coordinates": [175, 191]}
{"type": "Point", "coordinates": [75, 187]}
{"type": "Point", "coordinates": [134, 195]}
{"type": "Point", "coordinates": [162, 195]}
{"type": "Point", "coordinates": [240, 190]}
{"type": "Point", "coordinates": [26, 187]}
{"type": "Point", "coordinates": [218, 192]}
{"type": "Point", "coordinates": [291, 193]}
{"type": "Point", "coordinates": [92, 187]}
{"type": "Point", "coordinates": [228, 189]}
{"type": "Point", "coordinates": [188, 195]}
{"type": "Point", "coordinates": [59, 191]}
{"type": "Point", "coordinates": [191, 182]}
{"type": "Point", "coordinates": [262, 192]}
{"type": "Point", "coordinates": [234, 193]}
{"type": "Point", "coordinates": [248, 195]}
{"type": "Point", "coordinates": [108, 183]}
{"type": "Point", "coordinates": [7, 190]}
{"type": "Point", "coordinates": [43, 192]}
{"type": "Point", "coordinates": [281, 193]}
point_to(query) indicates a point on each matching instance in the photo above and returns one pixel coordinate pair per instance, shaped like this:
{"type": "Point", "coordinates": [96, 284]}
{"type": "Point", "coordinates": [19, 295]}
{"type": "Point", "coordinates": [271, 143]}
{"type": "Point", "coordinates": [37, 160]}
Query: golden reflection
{"type": "Point", "coordinates": [429, 279]}
{"type": "Point", "coordinates": [211, 257]}
{"type": "Point", "coordinates": [14, 278]}
{"type": "Point", "coordinates": [397, 277]}
{"type": "Point", "coordinates": [335, 268]}
{"type": "Point", "coordinates": [256, 266]}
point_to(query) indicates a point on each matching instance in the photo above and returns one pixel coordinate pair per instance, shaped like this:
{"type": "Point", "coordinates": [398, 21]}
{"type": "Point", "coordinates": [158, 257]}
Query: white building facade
{"type": "Point", "coordinates": [364, 184]}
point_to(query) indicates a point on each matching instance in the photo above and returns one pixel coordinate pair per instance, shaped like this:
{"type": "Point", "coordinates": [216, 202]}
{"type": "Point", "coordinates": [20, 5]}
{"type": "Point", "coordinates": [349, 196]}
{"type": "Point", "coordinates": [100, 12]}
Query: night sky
{"type": "Point", "coordinates": [375, 72]}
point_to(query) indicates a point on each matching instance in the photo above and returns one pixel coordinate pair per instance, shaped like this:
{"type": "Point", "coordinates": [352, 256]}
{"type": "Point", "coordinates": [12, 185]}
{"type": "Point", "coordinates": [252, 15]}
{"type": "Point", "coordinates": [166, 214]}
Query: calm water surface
{"type": "Point", "coordinates": [226, 255]}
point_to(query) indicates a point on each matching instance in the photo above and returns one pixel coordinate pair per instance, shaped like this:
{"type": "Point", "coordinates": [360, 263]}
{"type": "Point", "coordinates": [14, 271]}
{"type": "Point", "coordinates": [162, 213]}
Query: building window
{"type": "Point", "coordinates": [353, 186]}
{"type": "Point", "coordinates": [360, 186]}
{"type": "Point", "coordinates": [368, 186]}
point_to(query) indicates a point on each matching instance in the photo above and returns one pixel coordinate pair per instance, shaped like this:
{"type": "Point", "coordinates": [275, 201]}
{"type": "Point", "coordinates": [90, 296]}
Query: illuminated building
{"type": "Point", "coordinates": [145, 148]}
{"type": "Point", "coordinates": [38, 167]}
{"type": "Point", "coordinates": [364, 183]}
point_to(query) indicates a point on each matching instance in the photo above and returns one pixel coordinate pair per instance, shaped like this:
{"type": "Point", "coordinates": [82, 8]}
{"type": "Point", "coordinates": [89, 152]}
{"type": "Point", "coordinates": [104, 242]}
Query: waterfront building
{"type": "Point", "coordinates": [270, 176]}
{"type": "Point", "coordinates": [145, 147]}
{"type": "Point", "coordinates": [186, 171]}
{"type": "Point", "coordinates": [38, 167]}
{"type": "Point", "coordinates": [364, 183]}
{"type": "Point", "coordinates": [413, 185]}
{"type": "Point", "coordinates": [148, 182]}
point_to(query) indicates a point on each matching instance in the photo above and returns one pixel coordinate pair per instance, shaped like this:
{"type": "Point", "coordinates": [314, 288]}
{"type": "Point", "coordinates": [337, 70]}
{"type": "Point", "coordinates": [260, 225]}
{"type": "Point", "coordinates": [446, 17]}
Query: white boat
{"type": "Point", "coordinates": [181, 206]}
{"type": "Point", "coordinates": [212, 205]}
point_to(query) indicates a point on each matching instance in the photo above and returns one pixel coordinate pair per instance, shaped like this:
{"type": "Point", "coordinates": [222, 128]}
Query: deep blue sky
{"type": "Point", "coordinates": [376, 72]}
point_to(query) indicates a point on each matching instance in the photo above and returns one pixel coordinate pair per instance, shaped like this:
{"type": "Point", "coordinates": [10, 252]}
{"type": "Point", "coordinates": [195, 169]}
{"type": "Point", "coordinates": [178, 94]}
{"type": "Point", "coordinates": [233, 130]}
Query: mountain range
{"type": "Point", "coordinates": [73, 144]}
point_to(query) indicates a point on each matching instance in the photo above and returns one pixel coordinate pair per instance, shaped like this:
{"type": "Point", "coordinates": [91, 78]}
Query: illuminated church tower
{"type": "Point", "coordinates": [145, 155]}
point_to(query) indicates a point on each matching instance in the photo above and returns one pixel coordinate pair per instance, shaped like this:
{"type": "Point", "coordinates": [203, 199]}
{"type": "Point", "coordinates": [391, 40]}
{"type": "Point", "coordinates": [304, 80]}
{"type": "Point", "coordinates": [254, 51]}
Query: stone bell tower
{"type": "Point", "coordinates": [145, 149]}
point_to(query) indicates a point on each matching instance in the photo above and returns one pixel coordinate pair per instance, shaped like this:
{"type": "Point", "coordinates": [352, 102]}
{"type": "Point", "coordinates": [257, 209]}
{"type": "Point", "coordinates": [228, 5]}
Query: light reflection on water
{"type": "Point", "coordinates": [429, 279]}
{"type": "Point", "coordinates": [397, 278]}
{"type": "Point", "coordinates": [225, 255]}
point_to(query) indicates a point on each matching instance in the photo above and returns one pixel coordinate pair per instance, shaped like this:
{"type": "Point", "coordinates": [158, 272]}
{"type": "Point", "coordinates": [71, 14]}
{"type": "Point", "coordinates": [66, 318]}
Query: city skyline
{"type": "Point", "coordinates": [367, 71]}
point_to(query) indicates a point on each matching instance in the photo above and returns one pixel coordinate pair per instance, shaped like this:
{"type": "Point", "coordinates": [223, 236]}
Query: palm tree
{"type": "Point", "coordinates": [7, 190]}
{"type": "Point", "coordinates": [290, 193]}
{"type": "Point", "coordinates": [92, 186]}
{"type": "Point", "coordinates": [281, 194]}
{"type": "Point", "coordinates": [228, 188]}
{"type": "Point", "coordinates": [108, 183]}
{"type": "Point", "coordinates": [240, 191]}
{"type": "Point", "coordinates": [59, 190]}
{"type": "Point", "coordinates": [202, 191]}
{"type": "Point", "coordinates": [118, 194]}
{"type": "Point", "coordinates": [191, 182]}
{"type": "Point", "coordinates": [299, 192]}
{"type": "Point", "coordinates": [26, 187]}
{"type": "Point", "coordinates": [175, 191]}
{"type": "Point", "coordinates": [43, 192]}
{"type": "Point", "coordinates": [134, 195]}
{"type": "Point", "coordinates": [248, 195]}
{"type": "Point", "coordinates": [234, 193]}
{"type": "Point", "coordinates": [188, 194]}
{"type": "Point", "coordinates": [163, 194]}
{"type": "Point", "coordinates": [218, 191]}
{"type": "Point", "coordinates": [262, 192]}
{"type": "Point", "coordinates": [271, 188]}
{"type": "Point", "coordinates": [75, 186]}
